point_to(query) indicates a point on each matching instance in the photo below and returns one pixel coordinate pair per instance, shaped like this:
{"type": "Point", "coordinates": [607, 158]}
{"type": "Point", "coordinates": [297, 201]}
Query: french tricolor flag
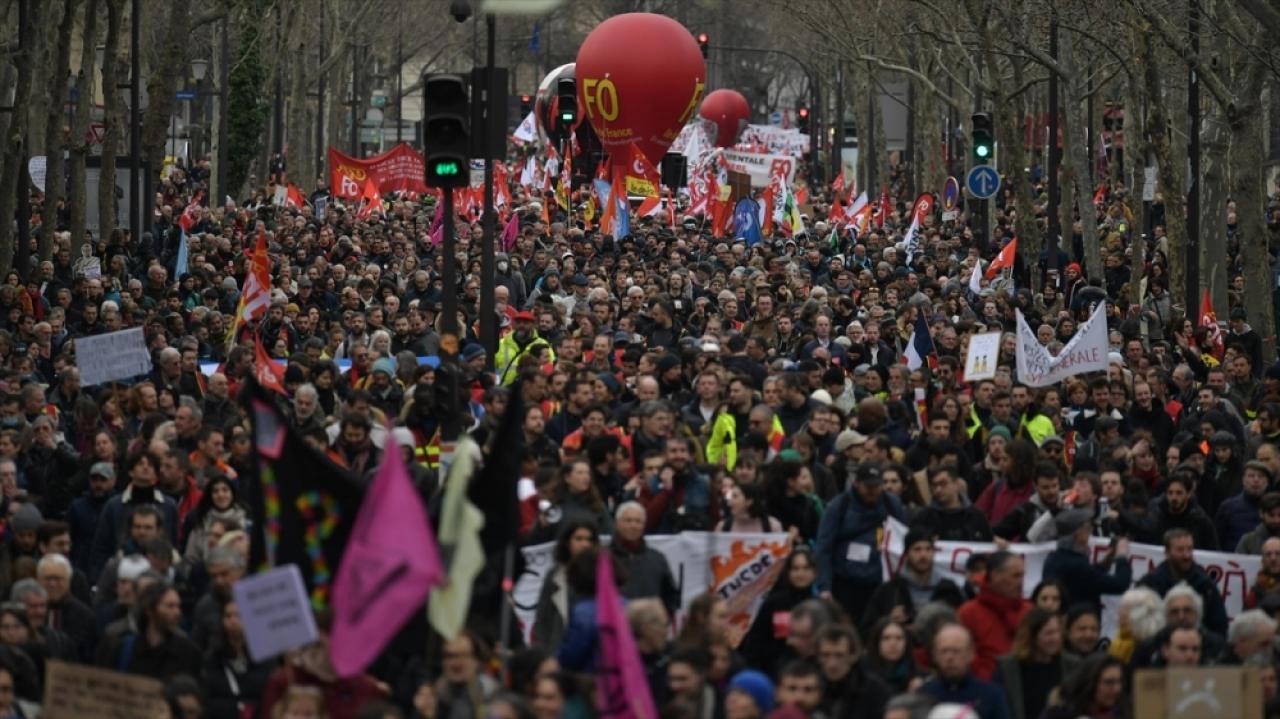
{"type": "Point", "coordinates": [920, 348]}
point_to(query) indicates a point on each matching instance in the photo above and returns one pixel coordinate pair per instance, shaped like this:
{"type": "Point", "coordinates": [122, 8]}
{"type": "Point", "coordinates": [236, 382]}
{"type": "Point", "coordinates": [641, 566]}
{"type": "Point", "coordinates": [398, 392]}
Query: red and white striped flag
{"type": "Point", "coordinates": [255, 297]}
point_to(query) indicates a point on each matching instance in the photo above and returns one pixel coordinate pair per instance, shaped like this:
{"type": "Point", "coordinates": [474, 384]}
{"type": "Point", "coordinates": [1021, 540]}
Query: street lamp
{"type": "Point", "coordinates": [199, 68]}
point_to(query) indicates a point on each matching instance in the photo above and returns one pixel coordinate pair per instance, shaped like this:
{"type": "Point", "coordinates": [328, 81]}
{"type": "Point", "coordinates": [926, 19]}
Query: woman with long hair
{"type": "Point", "coordinates": [1035, 665]}
{"type": "Point", "coordinates": [1017, 482]}
{"type": "Point", "coordinates": [790, 500]}
{"type": "Point", "coordinates": [1095, 690]}
{"type": "Point", "coordinates": [889, 655]}
{"type": "Point", "coordinates": [706, 623]}
{"type": "Point", "coordinates": [764, 641]}
{"type": "Point", "coordinates": [233, 681]}
{"type": "Point", "coordinates": [220, 502]}
{"type": "Point", "coordinates": [747, 510]}
{"type": "Point", "coordinates": [555, 598]}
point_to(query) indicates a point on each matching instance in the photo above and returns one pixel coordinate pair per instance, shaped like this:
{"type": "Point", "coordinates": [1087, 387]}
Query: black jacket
{"type": "Point", "coordinates": [860, 695]}
{"type": "Point", "coordinates": [648, 574]}
{"type": "Point", "coordinates": [1193, 519]}
{"type": "Point", "coordinates": [897, 592]}
{"type": "Point", "coordinates": [1162, 579]}
{"type": "Point", "coordinates": [1085, 581]}
{"type": "Point", "coordinates": [963, 524]}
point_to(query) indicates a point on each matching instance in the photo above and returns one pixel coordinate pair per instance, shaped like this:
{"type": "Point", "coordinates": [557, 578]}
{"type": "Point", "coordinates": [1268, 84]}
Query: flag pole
{"type": "Point", "coordinates": [508, 604]}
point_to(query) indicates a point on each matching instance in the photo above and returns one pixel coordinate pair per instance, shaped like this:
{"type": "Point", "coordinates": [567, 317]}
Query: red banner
{"type": "Point", "coordinates": [399, 169]}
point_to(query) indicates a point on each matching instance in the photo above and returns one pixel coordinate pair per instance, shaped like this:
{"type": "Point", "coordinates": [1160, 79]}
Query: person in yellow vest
{"type": "Point", "coordinates": [523, 341]}
{"type": "Point", "coordinates": [1032, 424]}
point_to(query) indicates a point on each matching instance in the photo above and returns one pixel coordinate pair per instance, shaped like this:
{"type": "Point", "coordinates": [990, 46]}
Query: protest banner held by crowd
{"type": "Point", "coordinates": [747, 443]}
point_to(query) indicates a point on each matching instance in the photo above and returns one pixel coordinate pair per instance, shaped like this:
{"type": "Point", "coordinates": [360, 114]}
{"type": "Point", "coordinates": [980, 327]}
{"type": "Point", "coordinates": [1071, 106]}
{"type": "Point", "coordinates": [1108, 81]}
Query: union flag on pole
{"type": "Point", "coordinates": [191, 215]}
{"type": "Point", "coordinates": [886, 207]}
{"type": "Point", "coordinates": [1004, 259]}
{"type": "Point", "coordinates": [1209, 321]}
{"type": "Point", "coordinates": [255, 297]}
{"type": "Point", "coordinates": [269, 374]}
{"type": "Point", "coordinates": [642, 177]}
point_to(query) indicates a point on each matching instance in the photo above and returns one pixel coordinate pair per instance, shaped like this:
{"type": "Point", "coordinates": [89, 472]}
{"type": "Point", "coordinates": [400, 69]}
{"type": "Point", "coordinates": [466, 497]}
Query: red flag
{"type": "Point", "coordinates": [371, 198]}
{"type": "Point", "coordinates": [294, 197]}
{"type": "Point", "coordinates": [1100, 196]}
{"type": "Point", "coordinates": [801, 195]}
{"type": "Point", "coordinates": [191, 214]}
{"type": "Point", "coordinates": [886, 207]}
{"type": "Point", "coordinates": [642, 177]}
{"type": "Point", "coordinates": [1209, 321]}
{"type": "Point", "coordinates": [836, 214]}
{"type": "Point", "coordinates": [268, 373]}
{"type": "Point", "coordinates": [838, 185]}
{"type": "Point", "coordinates": [1004, 259]}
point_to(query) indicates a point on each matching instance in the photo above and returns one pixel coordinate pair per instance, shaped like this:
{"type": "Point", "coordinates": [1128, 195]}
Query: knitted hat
{"type": "Point", "coordinates": [472, 351]}
{"type": "Point", "coordinates": [755, 685]}
{"type": "Point", "coordinates": [1001, 431]}
{"type": "Point", "coordinates": [615, 388]}
{"type": "Point", "coordinates": [26, 519]}
{"type": "Point", "coordinates": [385, 365]}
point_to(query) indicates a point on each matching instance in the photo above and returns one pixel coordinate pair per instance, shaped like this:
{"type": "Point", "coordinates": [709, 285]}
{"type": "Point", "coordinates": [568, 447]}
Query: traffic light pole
{"type": "Point", "coordinates": [488, 279]}
{"type": "Point", "coordinates": [449, 322]}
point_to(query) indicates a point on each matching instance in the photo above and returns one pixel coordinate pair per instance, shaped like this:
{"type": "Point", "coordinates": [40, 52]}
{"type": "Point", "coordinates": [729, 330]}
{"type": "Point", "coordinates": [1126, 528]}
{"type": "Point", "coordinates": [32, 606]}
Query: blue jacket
{"type": "Point", "coordinates": [1236, 517]}
{"type": "Point", "coordinates": [1085, 581]}
{"type": "Point", "coordinates": [846, 523]}
{"type": "Point", "coordinates": [83, 516]}
{"type": "Point", "coordinates": [985, 698]}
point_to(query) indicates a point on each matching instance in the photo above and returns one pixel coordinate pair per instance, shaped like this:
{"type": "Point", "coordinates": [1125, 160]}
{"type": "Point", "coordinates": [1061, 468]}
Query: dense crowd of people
{"type": "Point", "coordinates": [669, 381]}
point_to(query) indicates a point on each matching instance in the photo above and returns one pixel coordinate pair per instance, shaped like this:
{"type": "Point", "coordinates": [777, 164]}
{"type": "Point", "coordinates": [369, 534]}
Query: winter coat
{"type": "Point", "coordinates": [1193, 519]}
{"type": "Point", "coordinates": [962, 524]}
{"type": "Point", "coordinates": [1252, 542]}
{"type": "Point", "coordinates": [761, 645]}
{"type": "Point", "coordinates": [1237, 516]}
{"type": "Point", "coordinates": [897, 592]}
{"type": "Point", "coordinates": [1000, 498]}
{"type": "Point", "coordinates": [1010, 678]}
{"type": "Point", "coordinates": [1084, 581]}
{"type": "Point", "coordinates": [992, 619]}
{"type": "Point", "coordinates": [983, 697]}
{"type": "Point", "coordinates": [848, 542]}
{"type": "Point", "coordinates": [112, 526]}
{"type": "Point", "coordinates": [552, 613]}
{"type": "Point", "coordinates": [1162, 579]}
{"type": "Point", "coordinates": [197, 543]}
{"type": "Point", "coordinates": [648, 574]}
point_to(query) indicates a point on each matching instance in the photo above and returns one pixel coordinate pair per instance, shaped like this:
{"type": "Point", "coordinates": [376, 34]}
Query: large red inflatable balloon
{"type": "Point", "coordinates": [546, 93]}
{"type": "Point", "coordinates": [640, 79]}
{"type": "Point", "coordinates": [728, 111]}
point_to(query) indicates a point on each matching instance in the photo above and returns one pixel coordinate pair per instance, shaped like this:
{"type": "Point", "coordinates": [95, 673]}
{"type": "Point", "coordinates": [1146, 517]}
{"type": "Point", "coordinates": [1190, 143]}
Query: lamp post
{"type": "Point", "coordinates": [135, 124]}
{"type": "Point", "coordinates": [199, 70]}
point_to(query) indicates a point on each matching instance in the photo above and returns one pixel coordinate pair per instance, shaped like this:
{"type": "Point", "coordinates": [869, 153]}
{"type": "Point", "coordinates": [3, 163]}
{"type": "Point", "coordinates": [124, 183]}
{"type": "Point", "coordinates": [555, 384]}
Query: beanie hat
{"type": "Point", "coordinates": [385, 365]}
{"type": "Point", "coordinates": [755, 685]}
{"type": "Point", "coordinates": [472, 351]}
{"type": "Point", "coordinates": [26, 519]}
{"type": "Point", "coordinates": [668, 362]}
{"type": "Point", "coordinates": [1002, 431]}
{"type": "Point", "coordinates": [608, 380]}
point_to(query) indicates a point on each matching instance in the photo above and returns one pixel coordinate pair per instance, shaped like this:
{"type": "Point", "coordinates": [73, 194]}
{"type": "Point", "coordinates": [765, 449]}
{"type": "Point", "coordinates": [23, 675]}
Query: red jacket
{"type": "Point", "coordinates": [998, 499]}
{"type": "Point", "coordinates": [992, 620]}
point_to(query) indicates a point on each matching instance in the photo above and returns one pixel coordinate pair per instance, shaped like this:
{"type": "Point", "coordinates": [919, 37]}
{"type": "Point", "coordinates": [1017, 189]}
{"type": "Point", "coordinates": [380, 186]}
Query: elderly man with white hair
{"type": "Point", "coordinates": [648, 573]}
{"type": "Point", "coordinates": [66, 613]}
{"type": "Point", "coordinates": [1252, 633]}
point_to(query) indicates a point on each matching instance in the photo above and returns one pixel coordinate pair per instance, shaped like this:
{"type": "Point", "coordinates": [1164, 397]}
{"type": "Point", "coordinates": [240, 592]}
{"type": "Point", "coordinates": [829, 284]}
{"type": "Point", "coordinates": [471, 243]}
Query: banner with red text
{"type": "Point", "coordinates": [1234, 573]}
{"type": "Point", "coordinates": [761, 166]}
{"type": "Point", "coordinates": [1085, 352]}
{"type": "Point", "coordinates": [739, 568]}
{"type": "Point", "coordinates": [400, 169]}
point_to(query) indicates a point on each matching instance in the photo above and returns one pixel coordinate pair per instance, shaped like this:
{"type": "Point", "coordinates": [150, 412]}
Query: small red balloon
{"type": "Point", "coordinates": [640, 79]}
{"type": "Point", "coordinates": [729, 112]}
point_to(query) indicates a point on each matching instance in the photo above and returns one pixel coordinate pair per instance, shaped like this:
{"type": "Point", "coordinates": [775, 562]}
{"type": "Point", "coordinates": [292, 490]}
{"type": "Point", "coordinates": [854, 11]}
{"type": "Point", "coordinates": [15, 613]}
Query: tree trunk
{"type": "Point", "coordinates": [1073, 135]}
{"type": "Point", "coordinates": [1014, 156]}
{"type": "Point", "coordinates": [13, 168]}
{"type": "Point", "coordinates": [299, 121]}
{"type": "Point", "coordinates": [55, 131]}
{"type": "Point", "coordinates": [1214, 146]}
{"type": "Point", "coordinates": [933, 171]}
{"type": "Point", "coordinates": [80, 142]}
{"type": "Point", "coordinates": [1248, 191]}
{"type": "Point", "coordinates": [111, 121]}
{"type": "Point", "coordinates": [1170, 172]}
{"type": "Point", "coordinates": [161, 87]}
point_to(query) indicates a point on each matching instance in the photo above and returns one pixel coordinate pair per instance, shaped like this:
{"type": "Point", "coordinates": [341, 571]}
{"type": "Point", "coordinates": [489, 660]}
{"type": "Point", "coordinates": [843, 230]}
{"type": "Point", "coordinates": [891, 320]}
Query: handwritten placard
{"type": "Point", "coordinates": [74, 691]}
{"type": "Point", "coordinates": [275, 612]}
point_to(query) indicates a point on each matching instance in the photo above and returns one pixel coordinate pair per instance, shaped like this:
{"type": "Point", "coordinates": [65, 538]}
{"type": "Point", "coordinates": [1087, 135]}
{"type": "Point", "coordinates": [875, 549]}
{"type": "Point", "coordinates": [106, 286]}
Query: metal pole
{"type": "Point", "coordinates": [1193, 152]}
{"type": "Point", "coordinates": [815, 130]}
{"type": "Point", "coordinates": [355, 100]}
{"type": "Point", "coordinates": [277, 125]}
{"type": "Point", "coordinates": [23, 190]}
{"type": "Point", "coordinates": [1055, 157]}
{"type": "Point", "coordinates": [135, 99]}
{"type": "Point", "coordinates": [448, 245]}
{"type": "Point", "coordinates": [488, 279]}
{"type": "Point", "coordinates": [837, 122]}
{"type": "Point", "coordinates": [224, 82]}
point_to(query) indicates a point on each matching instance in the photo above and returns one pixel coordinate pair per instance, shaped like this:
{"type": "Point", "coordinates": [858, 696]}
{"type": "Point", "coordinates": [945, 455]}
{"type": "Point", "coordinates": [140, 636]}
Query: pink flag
{"type": "Point", "coordinates": [622, 688]}
{"type": "Point", "coordinates": [437, 235]}
{"type": "Point", "coordinates": [389, 566]}
{"type": "Point", "coordinates": [510, 233]}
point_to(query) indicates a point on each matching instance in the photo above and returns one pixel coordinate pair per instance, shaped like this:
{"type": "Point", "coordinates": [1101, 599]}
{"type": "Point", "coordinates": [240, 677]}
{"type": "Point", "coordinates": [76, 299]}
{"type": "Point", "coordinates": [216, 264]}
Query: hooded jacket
{"type": "Point", "coordinates": [992, 619]}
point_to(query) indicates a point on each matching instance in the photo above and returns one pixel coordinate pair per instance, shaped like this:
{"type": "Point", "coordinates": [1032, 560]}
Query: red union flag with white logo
{"type": "Point", "coordinates": [643, 178]}
{"type": "Point", "coordinates": [921, 210]}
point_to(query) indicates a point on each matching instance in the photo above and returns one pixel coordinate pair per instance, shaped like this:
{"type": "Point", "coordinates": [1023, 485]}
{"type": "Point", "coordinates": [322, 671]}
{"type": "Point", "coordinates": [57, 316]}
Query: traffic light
{"type": "Point", "coordinates": [447, 131]}
{"type": "Point", "coordinates": [704, 44]}
{"type": "Point", "coordinates": [802, 117]}
{"type": "Point", "coordinates": [984, 139]}
{"type": "Point", "coordinates": [567, 105]}
{"type": "Point", "coordinates": [526, 105]}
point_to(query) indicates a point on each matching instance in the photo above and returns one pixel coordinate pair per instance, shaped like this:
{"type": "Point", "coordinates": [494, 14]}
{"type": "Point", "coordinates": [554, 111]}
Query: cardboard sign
{"type": "Point", "coordinates": [113, 356]}
{"type": "Point", "coordinates": [275, 612]}
{"type": "Point", "coordinates": [75, 691]}
{"type": "Point", "coordinates": [1218, 692]}
{"type": "Point", "coordinates": [983, 356]}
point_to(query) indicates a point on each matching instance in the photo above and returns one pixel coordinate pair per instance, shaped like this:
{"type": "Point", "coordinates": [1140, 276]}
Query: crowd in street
{"type": "Point", "coordinates": [669, 381]}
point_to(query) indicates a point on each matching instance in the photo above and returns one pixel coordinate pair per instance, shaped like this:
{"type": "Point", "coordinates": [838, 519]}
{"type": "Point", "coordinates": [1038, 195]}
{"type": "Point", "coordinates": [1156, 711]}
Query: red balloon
{"type": "Point", "coordinates": [640, 79]}
{"type": "Point", "coordinates": [728, 111]}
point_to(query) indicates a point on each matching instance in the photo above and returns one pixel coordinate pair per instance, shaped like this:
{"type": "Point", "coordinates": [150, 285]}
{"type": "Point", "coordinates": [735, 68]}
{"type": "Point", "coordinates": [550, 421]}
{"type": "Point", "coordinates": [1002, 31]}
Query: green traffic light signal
{"type": "Point", "coordinates": [982, 151]}
{"type": "Point", "coordinates": [447, 169]}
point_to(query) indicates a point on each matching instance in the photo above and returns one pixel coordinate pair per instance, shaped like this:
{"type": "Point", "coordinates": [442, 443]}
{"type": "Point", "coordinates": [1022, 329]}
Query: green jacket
{"type": "Point", "coordinates": [510, 352]}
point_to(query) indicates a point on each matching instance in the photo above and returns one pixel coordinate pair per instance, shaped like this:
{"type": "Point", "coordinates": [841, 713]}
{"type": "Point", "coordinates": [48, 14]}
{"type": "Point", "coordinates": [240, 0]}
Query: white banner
{"type": "Point", "coordinates": [782, 141]}
{"type": "Point", "coordinates": [741, 568]}
{"type": "Point", "coordinates": [113, 356]}
{"type": "Point", "coordinates": [1086, 352]}
{"type": "Point", "coordinates": [761, 166]}
{"type": "Point", "coordinates": [1233, 572]}
{"type": "Point", "coordinates": [527, 131]}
